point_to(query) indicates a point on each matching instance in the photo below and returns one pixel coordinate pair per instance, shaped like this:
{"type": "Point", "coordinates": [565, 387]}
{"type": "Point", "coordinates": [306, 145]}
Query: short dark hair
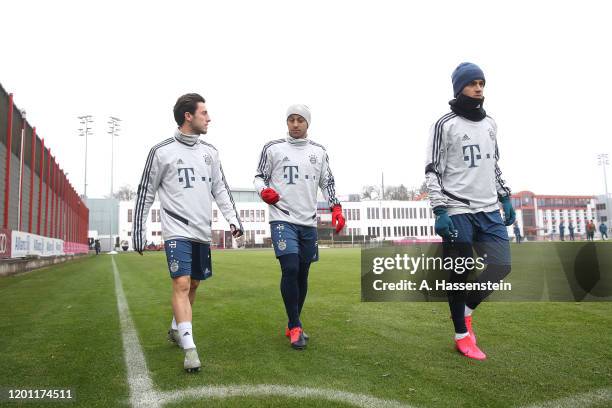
{"type": "Point", "coordinates": [186, 103]}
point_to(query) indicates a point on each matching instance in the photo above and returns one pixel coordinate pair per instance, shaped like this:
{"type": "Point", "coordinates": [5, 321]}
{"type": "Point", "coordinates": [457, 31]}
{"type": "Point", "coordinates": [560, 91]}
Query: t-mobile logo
{"type": "Point", "coordinates": [473, 155]}
{"type": "Point", "coordinates": [187, 176]}
{"type": "Point", "coordinates": [291, 174]}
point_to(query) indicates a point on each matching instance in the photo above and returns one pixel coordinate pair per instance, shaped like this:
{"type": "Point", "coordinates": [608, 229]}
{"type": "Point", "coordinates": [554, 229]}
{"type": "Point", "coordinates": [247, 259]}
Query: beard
{"type": "Point", "coordinates": [199, 131]}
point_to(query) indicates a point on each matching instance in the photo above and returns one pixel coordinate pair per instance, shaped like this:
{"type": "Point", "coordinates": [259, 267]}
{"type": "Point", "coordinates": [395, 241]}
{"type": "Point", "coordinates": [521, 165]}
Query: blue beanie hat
{"type": "Point", "coordinates": [465, 73]}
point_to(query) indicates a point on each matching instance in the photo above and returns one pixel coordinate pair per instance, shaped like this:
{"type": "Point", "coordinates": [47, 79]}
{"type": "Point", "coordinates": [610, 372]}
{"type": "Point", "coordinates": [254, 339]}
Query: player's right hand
{"type": "Point", "coordinates": [270, 196]}
{"type": "Point", "coordinates": [337, 218]}
{"type": "Point", "coordinates": [236, 232]}
{"type": "Point", "coordinates": [444, 225]}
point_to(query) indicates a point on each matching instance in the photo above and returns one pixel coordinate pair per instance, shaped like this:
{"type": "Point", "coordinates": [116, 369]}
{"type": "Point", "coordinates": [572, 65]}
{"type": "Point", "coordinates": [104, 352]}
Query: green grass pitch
{"type": "Point", "coordinates": [59, 328]}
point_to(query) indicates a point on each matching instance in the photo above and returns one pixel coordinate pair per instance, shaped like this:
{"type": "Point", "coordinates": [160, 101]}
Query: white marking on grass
{"type": "Point", "coordinates": [266, 390]}
{"type": "Point", "coordinates": [142, 393]}
{"type": "Point", "coordinates": [579, 400]}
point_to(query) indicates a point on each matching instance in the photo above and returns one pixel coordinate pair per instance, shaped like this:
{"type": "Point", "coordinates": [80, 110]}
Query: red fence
{"type": "Point", "coordinates": [36, 196]}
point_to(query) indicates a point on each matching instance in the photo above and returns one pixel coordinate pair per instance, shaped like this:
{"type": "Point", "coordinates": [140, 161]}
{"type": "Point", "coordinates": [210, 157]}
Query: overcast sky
{"type": "Point", "coordinates": [376, 75]}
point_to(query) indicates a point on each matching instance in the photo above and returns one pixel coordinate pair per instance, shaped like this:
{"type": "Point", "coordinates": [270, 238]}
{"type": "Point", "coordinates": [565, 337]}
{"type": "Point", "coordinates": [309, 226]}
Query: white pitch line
{"type": "Point", "coordinates": [579, 400]}
{"type": "Point", "coordinates": [264, 390]}
{"type": "Point", "coordinates": [143, 394]}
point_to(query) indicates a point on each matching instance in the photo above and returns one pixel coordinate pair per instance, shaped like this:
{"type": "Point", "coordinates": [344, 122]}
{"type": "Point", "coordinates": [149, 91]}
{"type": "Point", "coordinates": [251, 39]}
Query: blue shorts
{"type": "Point", "coordinates": [486, 233]}
{"type": "Point", "coordinates": [290, 238]}
{"type": "Point", "coordinates": [188, 258]}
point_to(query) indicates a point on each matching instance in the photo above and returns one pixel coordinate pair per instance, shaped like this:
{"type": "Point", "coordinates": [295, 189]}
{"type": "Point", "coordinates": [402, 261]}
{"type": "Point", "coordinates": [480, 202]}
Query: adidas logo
{"type": "Point", "coordinates": [186, 334]}
{"type": "Point", "coordinates": [466, 138]}
{"type": "Point", "coordinates": [285, 159]}
{"type": "Point", "coordinates": [179, 161]}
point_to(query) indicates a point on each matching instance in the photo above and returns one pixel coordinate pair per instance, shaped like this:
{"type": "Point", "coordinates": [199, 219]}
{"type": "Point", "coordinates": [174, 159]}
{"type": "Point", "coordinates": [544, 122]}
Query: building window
{"type": "Point", "coordinates": [252, 215]}
{"type": "Point", "coordinates": [129, 233]}
{"type": "Point", "coordinates": [215, 215]}
{"type": "Point", "coordinates": [130, 215]}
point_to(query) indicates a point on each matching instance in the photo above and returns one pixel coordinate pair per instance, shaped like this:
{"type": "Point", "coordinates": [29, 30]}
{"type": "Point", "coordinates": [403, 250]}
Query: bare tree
{"type": "Point", "coordinates": [125, 193]}
{"type": "Point", "coordinates": [369, 192]}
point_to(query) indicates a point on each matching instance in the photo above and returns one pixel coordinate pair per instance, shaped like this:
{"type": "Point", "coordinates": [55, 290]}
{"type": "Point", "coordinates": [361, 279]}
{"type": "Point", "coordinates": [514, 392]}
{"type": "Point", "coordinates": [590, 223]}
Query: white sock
{"type": "Point", "coordinates": [468, 311]}
{"type": "Point", "coordinates": [174, 326]}
{"type": "Point", "coordinates": [459, 336]}
{"type": "Point", "coordinates": [186, 335]}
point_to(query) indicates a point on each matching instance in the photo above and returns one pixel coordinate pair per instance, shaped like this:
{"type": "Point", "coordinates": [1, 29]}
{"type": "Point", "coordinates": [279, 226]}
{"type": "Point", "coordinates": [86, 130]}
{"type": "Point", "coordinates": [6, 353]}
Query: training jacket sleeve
{"type": "Point", "coordinates": [435, 164]}
{"type": "Point", "coordinates": [264, 171]}
{"type": "Point", "coordinates": [222, 194]}
{"type": "Point", "coordinates": [327, 183]}
{"type": "Point", "coordinates": [502, 188]}
{"type": "Point", "coordinates": [149, 182]}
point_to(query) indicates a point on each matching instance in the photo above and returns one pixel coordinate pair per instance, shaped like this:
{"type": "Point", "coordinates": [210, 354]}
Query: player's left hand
{"type": "Point", "coordinates": [236, 232]}
{"type": "Point", "coordinates": [509, 213]}
{"type": "Point", "coordinates": [337, 218]}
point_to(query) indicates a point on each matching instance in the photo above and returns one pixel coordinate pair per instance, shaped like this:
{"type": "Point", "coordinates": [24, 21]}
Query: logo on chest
{"type": "Point", "coordinates": [292, 174]}
{"type": "Point", "coordinates": [187, 177]}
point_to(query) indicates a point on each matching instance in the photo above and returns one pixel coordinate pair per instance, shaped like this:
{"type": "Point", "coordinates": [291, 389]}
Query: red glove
{"type": "Point", "coordinates": [337, 218]}
{"type": "Point", "coordinates": [269, 196]}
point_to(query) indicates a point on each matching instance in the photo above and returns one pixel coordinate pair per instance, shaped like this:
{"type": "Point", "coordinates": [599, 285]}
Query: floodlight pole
{"type": "Point", "coordinates": [86, 120]}
{"type": "Point", "coordinates": [113, 131]}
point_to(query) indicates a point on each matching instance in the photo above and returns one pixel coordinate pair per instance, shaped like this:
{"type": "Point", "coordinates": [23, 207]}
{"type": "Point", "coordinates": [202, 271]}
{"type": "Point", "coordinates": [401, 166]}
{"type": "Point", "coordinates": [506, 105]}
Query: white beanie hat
{"type": "Point", "coordinates": [299, 109]}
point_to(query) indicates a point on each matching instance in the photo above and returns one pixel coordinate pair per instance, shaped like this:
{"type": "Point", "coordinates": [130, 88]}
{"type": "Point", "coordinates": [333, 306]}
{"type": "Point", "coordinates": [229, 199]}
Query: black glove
{"type": "Point", "coordinates": [236, 232]}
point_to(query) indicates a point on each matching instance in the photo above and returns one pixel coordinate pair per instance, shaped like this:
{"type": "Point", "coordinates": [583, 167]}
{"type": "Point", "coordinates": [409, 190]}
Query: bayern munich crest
{"type": "Point", "coordinates": [174, 266]}
{"type": "Point", "coordinates": [207, 159]}
{"type": "Point", "coordinates": [313, 158]}
{"type": "Point", "coordinates": [282, 244]}
{"type": "Point", "coordinates": [491, 133]}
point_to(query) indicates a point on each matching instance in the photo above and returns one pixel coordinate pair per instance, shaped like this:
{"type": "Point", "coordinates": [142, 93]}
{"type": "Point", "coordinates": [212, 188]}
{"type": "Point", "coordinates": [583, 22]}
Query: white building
{"type": "Point", "coordinates": [388, 220]}
{"type": "Point", "coordinates": [384, 220]}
